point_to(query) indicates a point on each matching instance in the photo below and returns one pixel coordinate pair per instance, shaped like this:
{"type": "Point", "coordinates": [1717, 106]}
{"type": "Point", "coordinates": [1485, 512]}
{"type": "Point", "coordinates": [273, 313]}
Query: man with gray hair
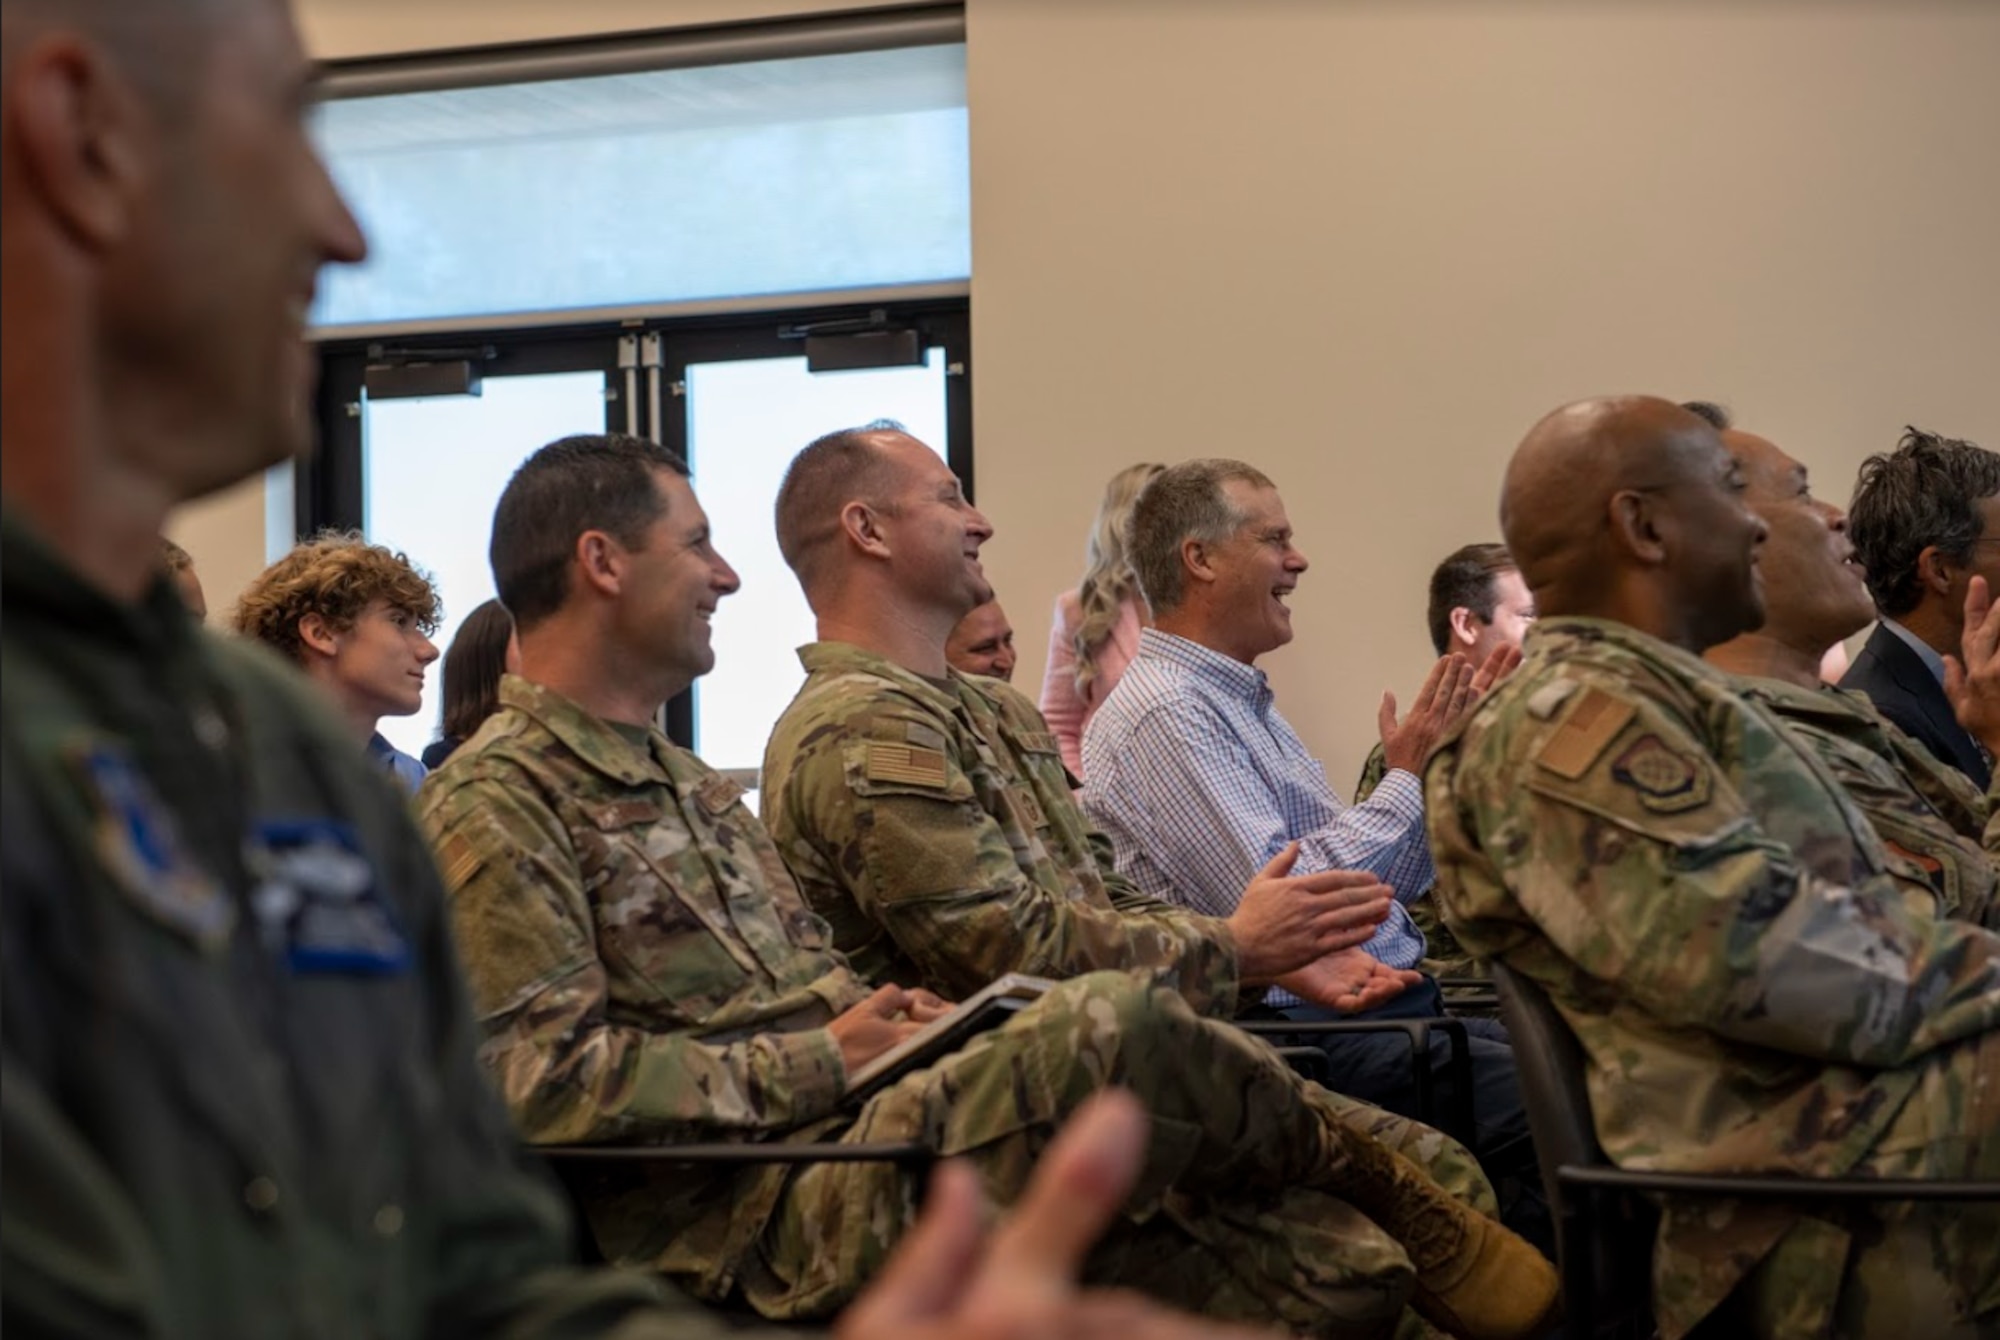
{"type": "Point", "coordinates": [1198, 779]}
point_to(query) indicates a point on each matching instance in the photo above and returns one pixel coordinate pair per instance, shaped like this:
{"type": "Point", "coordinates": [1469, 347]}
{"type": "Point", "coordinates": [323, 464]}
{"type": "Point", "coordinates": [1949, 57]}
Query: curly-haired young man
{"type": "Point", "coordinates": [357, 617]}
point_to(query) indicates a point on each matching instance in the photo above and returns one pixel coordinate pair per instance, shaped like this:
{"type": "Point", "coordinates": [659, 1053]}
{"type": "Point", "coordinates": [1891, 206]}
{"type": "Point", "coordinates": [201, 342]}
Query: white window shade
{"type": "Point", "coordinates": [769, 177]}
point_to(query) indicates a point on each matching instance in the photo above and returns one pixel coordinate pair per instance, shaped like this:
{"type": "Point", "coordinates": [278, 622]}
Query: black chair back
{"type": "Point", "coordinates": [1604, 1237]}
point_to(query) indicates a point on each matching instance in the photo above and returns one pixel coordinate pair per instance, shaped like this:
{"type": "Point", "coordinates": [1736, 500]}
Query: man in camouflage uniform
{"type": "Point", "coordinates": [1478, 604]}
{"type": "Point", "coordinates": [1716, 919]}
{"type": "Point", "coordinates": [1930, 818]}
{"type": "Point", "coordinates": [645, 969]}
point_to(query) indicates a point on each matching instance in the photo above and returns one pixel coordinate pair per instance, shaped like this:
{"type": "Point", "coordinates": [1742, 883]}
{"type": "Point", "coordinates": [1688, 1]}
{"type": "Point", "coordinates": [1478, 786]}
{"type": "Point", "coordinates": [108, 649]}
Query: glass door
{"type": "Point", "coordinates": [745, 421]}
{"type": "Point", "coordinates": [422, 473]}
{"type": "Point", "coordinates": [735, 396]}
{"type": "Point", "coordinates": [747, 402]}
{"type": "Point", "coordinates": [434, 468]}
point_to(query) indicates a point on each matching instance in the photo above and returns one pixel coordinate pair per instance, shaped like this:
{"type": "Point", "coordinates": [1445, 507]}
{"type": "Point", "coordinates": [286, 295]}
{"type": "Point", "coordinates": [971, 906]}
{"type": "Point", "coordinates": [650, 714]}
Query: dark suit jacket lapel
{"type": "Point", "coordinates": [1912, 676]}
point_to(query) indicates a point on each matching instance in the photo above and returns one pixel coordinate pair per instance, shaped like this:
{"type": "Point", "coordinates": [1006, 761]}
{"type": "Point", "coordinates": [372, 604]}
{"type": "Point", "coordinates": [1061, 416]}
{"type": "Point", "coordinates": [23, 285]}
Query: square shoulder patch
{"type": "Point", "coordinates": [1584, 733]}
{"type": "Point", "coordinates": [908, 764]}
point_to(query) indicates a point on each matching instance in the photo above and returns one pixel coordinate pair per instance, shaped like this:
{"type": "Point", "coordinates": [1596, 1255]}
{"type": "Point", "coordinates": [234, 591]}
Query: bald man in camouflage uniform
{"type": "Point", "coordinates": [1929, 816]}
{"type": "Point", "coordinates": [1716, 919]}
{"type": "Point", "coordinates": [644, 969]}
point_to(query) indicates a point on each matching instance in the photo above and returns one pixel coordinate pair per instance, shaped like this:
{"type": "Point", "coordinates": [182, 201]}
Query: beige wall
{"type": "Point", "coordinates": [1363, 244]}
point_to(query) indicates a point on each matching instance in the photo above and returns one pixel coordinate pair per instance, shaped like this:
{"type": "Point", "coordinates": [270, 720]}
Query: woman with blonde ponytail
{"type": "Point", "coordinates": [1097, 625]}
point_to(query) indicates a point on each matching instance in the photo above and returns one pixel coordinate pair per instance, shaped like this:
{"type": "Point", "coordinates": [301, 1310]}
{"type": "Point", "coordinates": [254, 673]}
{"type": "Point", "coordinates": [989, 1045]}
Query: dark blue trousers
{"type": "Point", "coordinates": [1376, 1068]}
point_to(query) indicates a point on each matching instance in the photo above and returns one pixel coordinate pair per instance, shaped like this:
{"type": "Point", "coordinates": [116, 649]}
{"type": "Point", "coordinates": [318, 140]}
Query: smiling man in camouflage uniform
{"type": "Point", "coordinates": [1929, 816]}
{"type": "Point", "coordinates": [644, 969]}
{"type": "Point", "coordinates": [1719, 923]}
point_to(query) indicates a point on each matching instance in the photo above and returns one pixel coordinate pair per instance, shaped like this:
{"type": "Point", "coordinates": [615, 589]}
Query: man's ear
{"type": "Point", "coordinates": [601, 560]}
{"type": "Point", "coordinates": [1464, 626]}
{"type": "Point", "coordinates": [1935, 570]}
{"type": "Point", "coordinates": [863, 527]}
{"type": "Point", "coordinates": [318, 635]}
{"type": "Point", "coordinates": [1635, 525]}
{"type": "Point", "coordinates": [85, 137]}
{"type": "Point", "coordinates": [1197, 561]}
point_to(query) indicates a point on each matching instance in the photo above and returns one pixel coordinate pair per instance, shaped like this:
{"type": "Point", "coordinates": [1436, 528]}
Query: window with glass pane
{"type": "Point", "coordinates": [767, 177]}
{"type": "Point", "coordinates": [434, 470]}
{"type": "Point", "coordinates": [746, 420]}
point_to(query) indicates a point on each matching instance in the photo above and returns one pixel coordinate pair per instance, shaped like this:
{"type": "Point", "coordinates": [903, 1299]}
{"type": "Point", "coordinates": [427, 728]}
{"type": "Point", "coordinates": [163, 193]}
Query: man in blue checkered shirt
{"type": "Point", "coordinates": [1199, 780]}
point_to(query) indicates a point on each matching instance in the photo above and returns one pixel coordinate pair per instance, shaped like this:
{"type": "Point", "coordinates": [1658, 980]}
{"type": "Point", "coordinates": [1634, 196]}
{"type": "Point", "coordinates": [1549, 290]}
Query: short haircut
{"type": "Point", "coordinates": [161, 45]}
{"type": "Point", "coordinates": [1465, 581]}
{"type": "Point", "coordinates": [1907, 500]}
{"type": "Point", "coordinates": [472, 669]}
{"type": "Point", "coordinates": [173, 558]}
{"type": "Point", "coordinates": [1716, 416]}
{"type": "Point", "coordinates": [336, 575]}
{"type": "Point", "coordinates": [832, 471]}
{"type": "Point", "coordinates": [591, 481]}
{"type": "Point", "coordinates": [1184, 502]}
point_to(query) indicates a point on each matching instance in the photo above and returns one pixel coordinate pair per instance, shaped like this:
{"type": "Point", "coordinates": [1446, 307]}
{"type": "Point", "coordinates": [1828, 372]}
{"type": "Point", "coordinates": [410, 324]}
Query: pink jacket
{"type": "Point", "coordinates": [1067, 713]}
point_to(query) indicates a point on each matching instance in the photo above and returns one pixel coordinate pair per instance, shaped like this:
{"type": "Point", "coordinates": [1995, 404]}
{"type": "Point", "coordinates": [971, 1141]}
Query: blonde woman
{"type": "Point", "coordinates": [1097, 625]}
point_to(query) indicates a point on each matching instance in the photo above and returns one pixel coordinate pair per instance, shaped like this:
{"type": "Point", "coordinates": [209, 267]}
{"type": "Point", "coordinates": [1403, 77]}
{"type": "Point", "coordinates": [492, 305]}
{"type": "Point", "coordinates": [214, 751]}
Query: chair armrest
{"type": "Point", "coordinates": [1758, 1187]}
{"type": "Point", "coordinates": [739, 1154]}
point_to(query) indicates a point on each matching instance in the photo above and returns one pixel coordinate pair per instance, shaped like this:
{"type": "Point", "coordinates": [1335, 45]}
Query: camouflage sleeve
{"type": "Point", "coordinates": [1990, 839]}
{"type": "Point", "coordinates": [1373, 769]}
{"type": "Point", "coordinates": [524, 927]}
{"type": "Point", "coordinates": [1126, 896]}
{"type": "Point", "coordinates": [1647, 869]}
{"type": "Point", "coordinates": [1207, 981]}
{"type": "Point", "coordinates": [1950, 792]}
{"type": "Point", "coordinates": [503, 1233]}
{"type": "Point", "coordinates": [1130, 899]}
{"type": "Point", "coordinates": [920, 857]}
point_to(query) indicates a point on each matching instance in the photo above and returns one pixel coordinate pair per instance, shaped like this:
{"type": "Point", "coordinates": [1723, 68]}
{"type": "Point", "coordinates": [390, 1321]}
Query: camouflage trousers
{"type": "Point", "coordinates": [1239, 1212]}
{"type": "Point", "coordinates": [1929, 1270]}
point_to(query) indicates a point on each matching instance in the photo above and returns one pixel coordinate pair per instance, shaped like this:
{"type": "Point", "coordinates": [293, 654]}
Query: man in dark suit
{"type": "Point", "coordinates": [1925, 519]}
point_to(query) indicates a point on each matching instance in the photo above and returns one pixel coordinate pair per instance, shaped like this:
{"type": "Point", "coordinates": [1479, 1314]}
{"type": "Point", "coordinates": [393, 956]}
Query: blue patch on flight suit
{"type": "Point", "coordinates": [318, 903]}
{"type": "Point", "coordinates": [139, 843]}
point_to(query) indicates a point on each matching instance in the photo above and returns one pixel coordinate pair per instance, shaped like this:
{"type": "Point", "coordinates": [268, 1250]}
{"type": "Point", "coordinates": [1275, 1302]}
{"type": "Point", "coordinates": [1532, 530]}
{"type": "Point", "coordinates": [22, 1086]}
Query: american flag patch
{"type": "Point", "coordinates": [905, 763]}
